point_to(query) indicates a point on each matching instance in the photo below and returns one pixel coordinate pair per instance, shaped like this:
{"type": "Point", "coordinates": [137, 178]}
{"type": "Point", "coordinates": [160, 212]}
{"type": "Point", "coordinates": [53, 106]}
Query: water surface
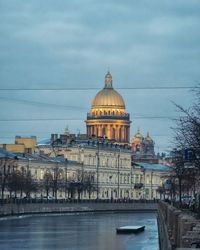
{"type": "Point", "coordinates": [78, 232]}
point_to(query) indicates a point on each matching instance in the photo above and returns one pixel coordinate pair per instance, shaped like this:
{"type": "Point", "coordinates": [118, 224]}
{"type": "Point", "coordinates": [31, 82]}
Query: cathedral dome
{"type": "Point", "coordinates": [148, 137]}
{"type": "Point", "coordinates": [108, 97]}
{"type": "Point", "coordinates": [138, 135]}
{"type": "Point", "coordinates": [107, 117]}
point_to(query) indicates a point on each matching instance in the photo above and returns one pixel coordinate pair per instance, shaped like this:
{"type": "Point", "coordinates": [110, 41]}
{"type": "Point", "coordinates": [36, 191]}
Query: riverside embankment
{"type": "Point", "coordinates": [177, 228]}
{"type": "Point", "coordinates": [40, 208]}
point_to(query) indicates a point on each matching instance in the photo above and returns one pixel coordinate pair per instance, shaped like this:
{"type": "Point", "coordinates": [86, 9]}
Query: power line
{"type": "Point", "coordinates": [95, 88]}
{"type": "Point", "coordinates": [29, 102]}
{"type": "Point", "coordinates": [76, 119]}
{"type": "Point", "coordinates": [48, 133]}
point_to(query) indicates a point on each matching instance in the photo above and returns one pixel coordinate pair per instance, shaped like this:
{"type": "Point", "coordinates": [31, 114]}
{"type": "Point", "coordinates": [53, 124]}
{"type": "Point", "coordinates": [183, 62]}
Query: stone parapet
{"type": "Point", "coordinates": [181, 229]}
{"type": "Point", "coordinates": [14, 209]}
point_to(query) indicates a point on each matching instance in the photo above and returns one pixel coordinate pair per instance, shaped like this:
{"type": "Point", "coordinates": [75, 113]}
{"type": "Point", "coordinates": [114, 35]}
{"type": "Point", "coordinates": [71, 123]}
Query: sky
{"type": "Point", "coordinates": [54, 56]}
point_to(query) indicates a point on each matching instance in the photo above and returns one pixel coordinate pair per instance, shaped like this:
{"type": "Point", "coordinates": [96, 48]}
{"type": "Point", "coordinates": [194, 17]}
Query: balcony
{"type": "Point", "coordinates": [138, 185]}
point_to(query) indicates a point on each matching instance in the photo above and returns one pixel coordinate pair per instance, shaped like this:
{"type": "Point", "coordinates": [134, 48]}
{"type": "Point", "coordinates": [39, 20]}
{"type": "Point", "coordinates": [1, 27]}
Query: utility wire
{"type": "Point", "coordinates": [44, 104]}
{"type": "Point", "coordinates": [77, 119]}
{"type": "Point", "coordinates": [42, 134]}
{"type": "Point", "coordinates": [95, 88]}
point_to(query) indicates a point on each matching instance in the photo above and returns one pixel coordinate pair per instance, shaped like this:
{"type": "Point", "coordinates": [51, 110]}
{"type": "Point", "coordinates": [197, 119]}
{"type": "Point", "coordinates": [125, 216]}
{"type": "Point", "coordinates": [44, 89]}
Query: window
{"type": "Point", "coordinates": [41, 174]}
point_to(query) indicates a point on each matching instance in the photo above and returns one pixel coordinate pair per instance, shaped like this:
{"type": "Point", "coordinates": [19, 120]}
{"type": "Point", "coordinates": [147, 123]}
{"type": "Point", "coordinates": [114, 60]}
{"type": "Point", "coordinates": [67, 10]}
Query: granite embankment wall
{"type": "Point", "coordinates": [177, 229]}
{"type": "Point", "coordinates": [19, 209]}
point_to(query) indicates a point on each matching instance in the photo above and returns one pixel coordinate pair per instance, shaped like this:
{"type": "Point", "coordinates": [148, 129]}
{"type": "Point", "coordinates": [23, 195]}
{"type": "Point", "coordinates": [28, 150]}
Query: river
{"type": "Point", "coordinates": [95, 231]}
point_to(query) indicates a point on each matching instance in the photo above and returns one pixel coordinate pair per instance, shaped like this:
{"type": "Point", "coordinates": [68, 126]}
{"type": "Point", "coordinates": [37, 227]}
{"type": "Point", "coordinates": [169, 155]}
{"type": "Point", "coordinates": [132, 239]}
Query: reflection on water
{"type": "Point", "coordinates": [80, 231]}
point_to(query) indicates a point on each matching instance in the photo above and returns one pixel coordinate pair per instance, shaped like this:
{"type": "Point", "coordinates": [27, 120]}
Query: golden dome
{"type": "Point", "coordinates": [108, 97]}
{"type": "Point", "coordinates": [138, 134]}
{"type": "Point", "coordinates": [148, 137]}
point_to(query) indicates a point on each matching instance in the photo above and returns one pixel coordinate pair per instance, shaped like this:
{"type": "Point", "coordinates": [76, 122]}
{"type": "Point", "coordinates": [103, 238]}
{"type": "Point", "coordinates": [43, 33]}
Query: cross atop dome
{"type": "Point", "coordinates": [108, 81]}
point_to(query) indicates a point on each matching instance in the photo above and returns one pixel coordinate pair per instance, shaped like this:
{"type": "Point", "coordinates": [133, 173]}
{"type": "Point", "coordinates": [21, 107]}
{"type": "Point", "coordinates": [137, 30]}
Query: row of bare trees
{"type": "Point", "coordinates": [13, 182]}
{"type": "Point", "coordinates": [18, 183]}
{"type": "Point", "coordinates": [186, 155]}
{"type": "Point", "coordinates": [72, 186]}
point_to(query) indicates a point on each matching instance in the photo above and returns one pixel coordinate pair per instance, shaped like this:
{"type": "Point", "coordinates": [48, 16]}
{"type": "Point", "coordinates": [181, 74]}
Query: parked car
{"type": "Point", "coordinates": [48, 198]}
{"type": "Point", "coordinates": [186, 200]}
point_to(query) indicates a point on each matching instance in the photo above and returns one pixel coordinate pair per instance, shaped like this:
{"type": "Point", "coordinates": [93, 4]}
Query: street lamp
{"type": "Point", "coordinates": [66, 179]}
{"type": "Point", "coordinates": [151, 184]}
{"type": "Point", "coordinates": [81, 161]}
{"type": "Point", "coordinates": [54, 143]}
{"type": "Point", "coordinates": [98, 169]}
{"type": "Point", "coordinates": [118, 174]}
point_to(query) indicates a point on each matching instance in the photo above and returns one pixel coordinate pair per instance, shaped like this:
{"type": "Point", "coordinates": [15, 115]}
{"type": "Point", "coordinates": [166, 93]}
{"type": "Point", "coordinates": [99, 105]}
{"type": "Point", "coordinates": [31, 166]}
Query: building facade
{"type": "Point", "coordinates": [149, 179]}
{"type": "Point", "coordinates": [95, 170]}
{"type": "Point", "coordinates": [114, 177]}
{"type": "Point", "coordinates": [107, 117]}
{"type": "Point", "coordinates": [108, 163]}
{"type": "Point", "coordinates": [21, 145]}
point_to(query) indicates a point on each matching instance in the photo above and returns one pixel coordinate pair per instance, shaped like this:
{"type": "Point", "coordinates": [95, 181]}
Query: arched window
{"type": "Point", "coordinates": [137, 148]}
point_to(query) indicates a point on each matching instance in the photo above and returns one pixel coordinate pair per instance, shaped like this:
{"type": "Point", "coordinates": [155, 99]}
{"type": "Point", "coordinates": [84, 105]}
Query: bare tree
{"type": "Point", "coordinates": [179, 170]}
{"type": "Point", "coordinates": [47, 182]}
{"type": "Point", "coordinates": [186, 160]}
{"type": "Point", "coordinates": [55, 180]}
{"type": "Point", "coordinates": [7, 166]}
{"type": "Point", "coordinates": [71, 187]}
{"type": "Point", "coordinates": [29, 184]}
{"type": "Point", "coordinates": [80, 183]}
{"type": "Point", "coordinates": [15, 182]}
{"type": "Point", "coordinates": [89, 183]}
{"type": "Point", "coordinates": [187, 131]}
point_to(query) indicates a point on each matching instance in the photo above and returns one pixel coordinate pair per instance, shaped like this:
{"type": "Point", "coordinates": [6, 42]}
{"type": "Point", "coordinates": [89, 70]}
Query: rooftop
{"type": "Point", "coordinates": [6, 154]}
{"type": "Point", "coordinates": [151, 166]}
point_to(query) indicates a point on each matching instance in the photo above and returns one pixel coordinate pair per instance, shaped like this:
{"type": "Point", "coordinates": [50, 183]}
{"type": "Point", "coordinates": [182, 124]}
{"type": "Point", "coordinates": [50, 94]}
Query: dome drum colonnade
{"type": "Point", "coordinates": [108, 117]}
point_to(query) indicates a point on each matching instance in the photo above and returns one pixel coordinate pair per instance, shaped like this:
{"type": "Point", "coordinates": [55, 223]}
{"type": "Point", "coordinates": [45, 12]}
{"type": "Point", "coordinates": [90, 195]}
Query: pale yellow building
{"type": "Point", "coordinates": [21, 145]}
{"type": "Point", "coordinates": [111, 167]}
{"type": "Point", "coordinates": [114, 175]}
{"type": "Point", "coordinates": [148, 178]}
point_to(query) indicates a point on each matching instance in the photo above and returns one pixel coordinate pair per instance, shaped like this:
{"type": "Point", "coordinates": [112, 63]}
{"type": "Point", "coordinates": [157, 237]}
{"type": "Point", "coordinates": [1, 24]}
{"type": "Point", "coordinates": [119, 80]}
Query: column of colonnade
{"type": "Point", "coordinates": [120, 133]}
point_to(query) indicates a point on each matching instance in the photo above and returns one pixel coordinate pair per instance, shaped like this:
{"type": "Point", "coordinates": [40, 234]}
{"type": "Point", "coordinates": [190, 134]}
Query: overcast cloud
{"type": "Point", "coordinates": [64, 44]}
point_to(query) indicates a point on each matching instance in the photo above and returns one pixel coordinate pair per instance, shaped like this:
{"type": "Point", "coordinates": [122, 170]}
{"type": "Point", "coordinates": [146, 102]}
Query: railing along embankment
{"type": "Point", "coordinates": [177, 228]}
{"type": "Point", "coordinates": [34, 208]}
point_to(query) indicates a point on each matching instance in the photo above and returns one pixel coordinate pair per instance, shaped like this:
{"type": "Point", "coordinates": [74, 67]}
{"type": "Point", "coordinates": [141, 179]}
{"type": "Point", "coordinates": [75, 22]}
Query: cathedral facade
{"type": "Point", "coordinates": [108, 117]}
{"type": "Point", "coordinates": [142, 147]}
